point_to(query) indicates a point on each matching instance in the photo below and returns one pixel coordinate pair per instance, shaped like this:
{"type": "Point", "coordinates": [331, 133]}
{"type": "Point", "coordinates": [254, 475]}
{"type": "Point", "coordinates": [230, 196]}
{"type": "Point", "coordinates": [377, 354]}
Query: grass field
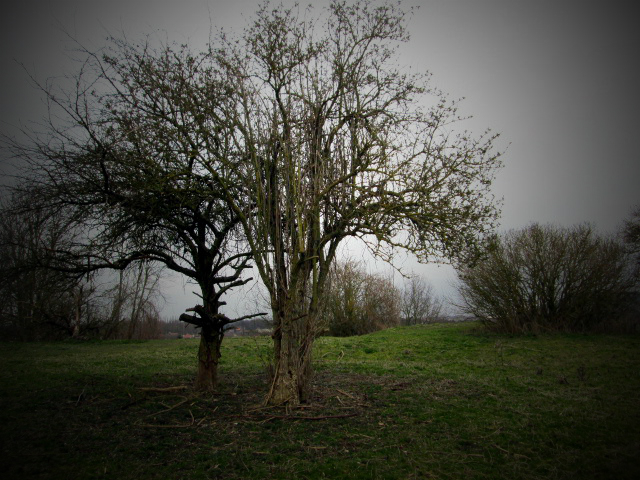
{"type": "Point", "coordinates": [439, 401]}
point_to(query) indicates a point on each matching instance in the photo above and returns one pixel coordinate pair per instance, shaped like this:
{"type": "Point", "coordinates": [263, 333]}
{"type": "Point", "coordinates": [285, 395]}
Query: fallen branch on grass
{"type": "Point", "coordinates": [300, 417]}
{"type": "Point", "coordinates": [345, 393]}
{"type": "Point", "coordinates": [169, 408]}
{"type": "Point", "coordinates": [163, 389]}
{"type": "Point", "coordinates": [151, 425]}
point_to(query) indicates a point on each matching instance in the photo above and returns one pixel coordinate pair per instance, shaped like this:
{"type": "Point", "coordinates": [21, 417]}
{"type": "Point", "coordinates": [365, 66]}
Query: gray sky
{"type": "Point", "coordinates": [559, 80]}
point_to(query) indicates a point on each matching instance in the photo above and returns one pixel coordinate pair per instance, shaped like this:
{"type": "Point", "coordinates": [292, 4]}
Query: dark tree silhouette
{"type": "Point", "coordinates": [118, 157]}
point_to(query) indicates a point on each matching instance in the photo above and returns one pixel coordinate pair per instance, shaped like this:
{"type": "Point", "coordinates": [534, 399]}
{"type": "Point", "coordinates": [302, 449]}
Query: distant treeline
{"type": "Point", "coordinates": [174, 328]}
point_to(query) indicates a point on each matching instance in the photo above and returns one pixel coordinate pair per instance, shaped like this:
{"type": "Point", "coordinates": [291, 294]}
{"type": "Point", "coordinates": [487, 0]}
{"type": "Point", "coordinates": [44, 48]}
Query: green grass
{"type": "Point", "coordinates": [440, 401]}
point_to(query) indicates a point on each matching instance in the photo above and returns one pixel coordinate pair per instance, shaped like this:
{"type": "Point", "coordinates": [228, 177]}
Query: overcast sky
{"type": "Point", "coordinates": [560, 80]}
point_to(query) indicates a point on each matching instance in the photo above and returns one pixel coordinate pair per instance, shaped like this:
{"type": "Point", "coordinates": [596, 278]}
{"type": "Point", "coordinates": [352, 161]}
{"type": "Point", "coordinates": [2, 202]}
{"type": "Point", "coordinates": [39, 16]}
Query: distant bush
{"type": "Point", "coordinates": [419, 302]}
{"type": "Point", "coordinates": [631, 236]}
{"type": "Point", "coordinates": [357, 302]}
{"type": "Point", "coordinates": [545, 278]}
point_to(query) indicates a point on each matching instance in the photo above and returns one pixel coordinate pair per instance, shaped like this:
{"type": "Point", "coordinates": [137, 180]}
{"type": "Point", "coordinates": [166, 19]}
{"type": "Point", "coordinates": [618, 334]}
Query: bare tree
{"type": "Point", "coordinates": [419, 302]}
{"type": "Point", "coordinates": [131, 310]}
{"type": "Point", "coordinates": [332, 140]}
{"type": "Point", "coordinates": [118, 153]}
{"type": "Point", "coordinates": [35, 301]}
{"type": "Point", "coordinates": [38, 300]}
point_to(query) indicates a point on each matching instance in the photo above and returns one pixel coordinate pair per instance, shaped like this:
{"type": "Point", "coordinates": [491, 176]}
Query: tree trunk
{"type": "Point", "coordinates": [208, 358]}
{"type": "Point", "coordinates": [291, 382]}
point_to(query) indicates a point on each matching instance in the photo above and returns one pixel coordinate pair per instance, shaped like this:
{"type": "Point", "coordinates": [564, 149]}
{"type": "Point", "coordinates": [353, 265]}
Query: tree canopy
{"type": "Point", "coordinates": [272, 146]}
{"type": "Point", "coordinates": [118, 158]}
{"type": "Point", "coordinates": [332, 139]}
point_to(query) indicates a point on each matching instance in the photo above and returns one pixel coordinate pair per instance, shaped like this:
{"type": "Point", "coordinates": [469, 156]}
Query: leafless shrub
{"type": "Point", "coordinates": [357, 302]}
{"type": "Point", "coordinates": [545, 278]}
